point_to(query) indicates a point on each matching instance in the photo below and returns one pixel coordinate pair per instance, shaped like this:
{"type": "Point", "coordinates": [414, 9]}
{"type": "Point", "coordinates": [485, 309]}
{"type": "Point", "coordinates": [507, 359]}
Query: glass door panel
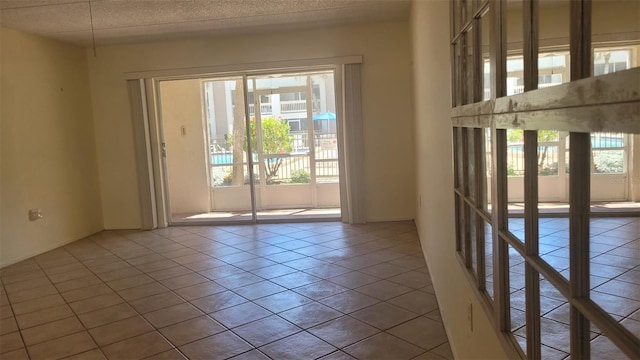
{"type": "Point", "coordinates": [228, 160]}
{"type": "Point", "coordinates": [293, 133]}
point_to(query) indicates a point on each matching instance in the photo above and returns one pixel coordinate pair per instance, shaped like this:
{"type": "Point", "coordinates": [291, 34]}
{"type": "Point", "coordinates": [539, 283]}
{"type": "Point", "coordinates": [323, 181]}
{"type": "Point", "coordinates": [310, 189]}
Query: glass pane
{"type": "Point", "coordinates": [488, 163]}
{"type": "Point", "coordinates": [471, 162]}
{"type": "Point", "coordinates": [457, 9]}
{"type": "Point", "coordinates": [469, 67]}
{"type": "Point", "coordinates": [204, 132]}
{"type": "Point", "coordinates": [553, 206]}
{"type": "Point", "coordinates": [615, 229]}
{"type": "Point", "coordinates": [554, 323]}
{"type": "Point", "coordinates": [469, 9]}
{"type": "Point", "coordinates": [553, 31]}
{"type": "Point", "coordinates": [457, 74]}
{"type": "Point", "coordinates": [515, 181]}
{"type": "Point", "coordinates": [517, 290]}
{"type": "Point", "coordinates": [488, 257]}
{"type": "Point", "coordinates": [615, 22]}
{"type": "Point", "coordinates": [610, 153]}
{"type": "Point", "coordinates": [515, 65]}
{"type": "Point", "coordinates": [473, 251]}
{"type": "Point", "coordinates": [459, 224]}
{"type": "Point", "coordinates": [553, 243]}
{"type": "Point", "coordinates": [602, 348]}
{"type": "Point", "coordinates": [325, 130]}
{"type": "Point", "coordinates": [293, 127]}
{"type": "Point", "coordinates": [458, 154]}
{"type": "Point", "coordinates": [485, 39]}
{"type": "Point", "coordinates": [553, 68]}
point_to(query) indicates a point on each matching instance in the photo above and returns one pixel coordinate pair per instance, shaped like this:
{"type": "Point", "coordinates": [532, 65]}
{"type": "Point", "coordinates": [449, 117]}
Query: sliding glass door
{"type": "Point", "coordinates": [267, 152]}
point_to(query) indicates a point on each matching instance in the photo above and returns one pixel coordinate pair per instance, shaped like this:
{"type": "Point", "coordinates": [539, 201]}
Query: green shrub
{"type": "Point", "coordinates": [300, 176]}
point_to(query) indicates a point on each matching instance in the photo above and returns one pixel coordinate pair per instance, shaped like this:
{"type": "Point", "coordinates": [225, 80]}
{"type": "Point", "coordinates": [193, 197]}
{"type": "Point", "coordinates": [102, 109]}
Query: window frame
{"type": "Point", "coordinates": [555, 108]}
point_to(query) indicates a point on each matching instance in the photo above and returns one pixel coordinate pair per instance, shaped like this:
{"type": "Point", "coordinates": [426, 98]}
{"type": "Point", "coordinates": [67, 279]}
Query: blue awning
{"type": "Point", "coordinates": [325, 116]}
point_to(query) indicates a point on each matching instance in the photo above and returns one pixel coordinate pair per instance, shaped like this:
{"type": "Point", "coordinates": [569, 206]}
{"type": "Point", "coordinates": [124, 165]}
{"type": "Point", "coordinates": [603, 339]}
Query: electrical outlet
{"type": "Point", "coordinates": [35, 214]}
{"type": "Point", "coordinates": [470, 314]}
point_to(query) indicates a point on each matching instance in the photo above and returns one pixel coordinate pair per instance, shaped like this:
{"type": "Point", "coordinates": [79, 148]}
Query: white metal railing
{"type": "Point", "coordinates": [265, 109]}
{"type": "Point", "coordinates": [293, 106]}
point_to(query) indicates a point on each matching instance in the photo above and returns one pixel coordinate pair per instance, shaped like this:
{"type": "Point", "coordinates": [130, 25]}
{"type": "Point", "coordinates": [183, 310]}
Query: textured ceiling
{"type": "Point", "coordinates": [123, 21]}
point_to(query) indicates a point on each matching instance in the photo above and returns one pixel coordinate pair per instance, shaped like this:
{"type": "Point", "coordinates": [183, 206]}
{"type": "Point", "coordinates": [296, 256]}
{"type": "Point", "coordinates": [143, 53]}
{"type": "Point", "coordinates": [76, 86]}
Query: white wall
{"type": "Point", "coordinates": [48, 147]}
{"type": "Point", "coordinates": [186, 150]}
{"type": "Point", "coordinates": [386, 90]}
{"type": "Point", "coordinates": [434, 184]}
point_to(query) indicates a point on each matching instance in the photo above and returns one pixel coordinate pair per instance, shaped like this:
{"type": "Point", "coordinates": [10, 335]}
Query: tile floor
{"type": "Point", "coordinates": [615, 281]}
{"type": "Point", "coordinates": [294, 291]}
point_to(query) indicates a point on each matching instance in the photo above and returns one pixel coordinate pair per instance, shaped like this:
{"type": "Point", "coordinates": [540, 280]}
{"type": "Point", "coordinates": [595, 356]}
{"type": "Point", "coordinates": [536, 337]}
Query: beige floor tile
{"type": "Point", "coordinates": [33, 293]}
{"type": "Point", "coordinates": [157, 266]}
{"type": "Point", "coordinates": [129, 282]}
{"type": "Point", "coordinates": [107, 315]}
{"type": "Point", "coordinates": [137, 347]}
{"type": "Point", "coordinates": [5, 311]}
{"type": "Point", "coordinates": [192, 330]}
{"type": "Point", "coordinates": [383, 347]}
{"type": "Point", "coordinates": [109, 294]}
{"type": "Point", "coordinates": [156, 302]}
{"type": "Point", "coordinates": [184, 281]}
{"type": "Point", "coordinates": [349, 301]}
{"type": "Point", "coordinates": [219, 346]}
{"type": "Point", "coordinates": [79, 283]}
{"type": "Point", "coordinates": [62, 347]}
{"type": "Point", "coordinates": [86, 292]}
{"type": "Point", "coordinates": [266, 330]}
{"type": "Point", "coordinates": [412, 279]}
{"type": "Point", "coordinates": [219, 301]}
{"type": "Point", "coordinates": [8, 325]}
{"type": "Point", "coordinates": [142, 291]}
{"type": "Point", "coordinates": [70, 275]}
{"type": "Point", "coordinates": [121, 273]}
{"type": "Point", "coordinates": [20, 354]}
{"type": "Point", "coordinates": [172, 354]}
{"type": "Point", "coordinates": [44, 316]}
{"type": "Point", "coordinates": [310, 315]}
{"type": "Point", "coordinates": [120, 330]}
{"type": "Point", "coordinates": [200, 290]}
{"type": "Point", "coordinates": [299, 346]}
{"type": "Point", "coordinates": [95, 303]}
{"type": "Point", "coordinates": [343, 331]}
{"type": "Point", "coordinates": [52, 330]}
{"type": "Point", "coordinates": [172, 314]}
{"type": "Point", "coordinates": [251, 355]}
{"type": "Point", "coordinates": [383, 315]}
{"type": "Point", "coordinates": [418, 302]}
{"type": "Point", "coordinates": [282, 301]}
{"type": "Point", "coordinates": [11, 341]}
{"type": "Point", "coordinates": [169, 272]}
{"type": "Point", "coordinates": [27, 284]}
{"type": "Point", "coordinates": [240, 314]}
{"type": "Point", "coordinates": [71, 267]}
{"type": "Point", "coordinates": [444, 351]}
{"type": "Point", "coordinates": [44, 302]}
{"type": "Point", "coordinates": [384, 290]}
{"type": "Point", "coordinates": [94, 354]}
{"type": "Point", "coordinates": [421, 331]}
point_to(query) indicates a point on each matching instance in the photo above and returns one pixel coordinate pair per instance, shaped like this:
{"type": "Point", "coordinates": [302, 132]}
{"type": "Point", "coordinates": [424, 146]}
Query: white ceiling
{"type": "Point", "coordinates": [124, 21]}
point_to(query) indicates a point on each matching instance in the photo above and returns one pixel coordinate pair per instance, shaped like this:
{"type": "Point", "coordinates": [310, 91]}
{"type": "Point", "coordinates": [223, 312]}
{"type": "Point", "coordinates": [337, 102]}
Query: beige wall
{"type": "Point", "coordinates": [434, 184]}
{"type": "Point", "coordinates": [386, 90]}
{"type": "Point", "coordinates": [186, 150]}
{"type": "Point", "coordinates": [48, 147]}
